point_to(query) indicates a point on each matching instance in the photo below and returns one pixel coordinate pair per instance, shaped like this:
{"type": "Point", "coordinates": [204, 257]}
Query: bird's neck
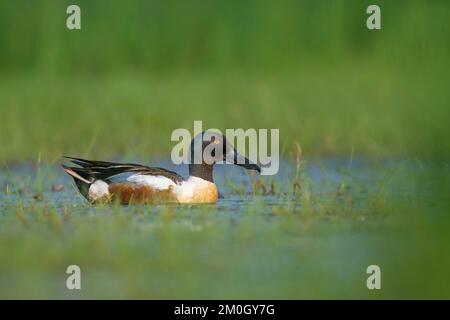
{"type": "Point", "coordinates": [203, 171]}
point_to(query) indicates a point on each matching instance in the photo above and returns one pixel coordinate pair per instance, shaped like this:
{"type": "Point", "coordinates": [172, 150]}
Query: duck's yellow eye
{"type": "Point", "coordinates": [216, 141]}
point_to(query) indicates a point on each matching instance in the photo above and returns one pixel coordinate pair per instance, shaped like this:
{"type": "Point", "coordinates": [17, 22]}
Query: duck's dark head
{"type": "Point", "coordinates": [209, 148]}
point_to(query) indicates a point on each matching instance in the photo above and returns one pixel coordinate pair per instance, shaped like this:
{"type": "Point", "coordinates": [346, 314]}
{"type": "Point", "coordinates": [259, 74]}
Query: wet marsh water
{"type": "Point", "coordinates": [265, 238]}
{"type": "Point", "coordinates": [322, 177]}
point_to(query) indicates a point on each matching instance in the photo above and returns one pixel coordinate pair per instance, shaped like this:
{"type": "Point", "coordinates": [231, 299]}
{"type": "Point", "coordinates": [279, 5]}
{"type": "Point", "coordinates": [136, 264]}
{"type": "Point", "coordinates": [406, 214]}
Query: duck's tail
{"type": "Point", "coordinates": [81, 177]}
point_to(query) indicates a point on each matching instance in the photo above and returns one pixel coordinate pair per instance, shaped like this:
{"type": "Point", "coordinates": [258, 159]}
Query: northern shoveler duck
{"type": "Point", "coordinates": [101, 181]}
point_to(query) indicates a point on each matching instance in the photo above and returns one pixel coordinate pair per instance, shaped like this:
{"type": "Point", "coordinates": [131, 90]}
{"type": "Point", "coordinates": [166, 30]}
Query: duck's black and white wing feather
{"type": "Point", "coordinates": [91, 170]}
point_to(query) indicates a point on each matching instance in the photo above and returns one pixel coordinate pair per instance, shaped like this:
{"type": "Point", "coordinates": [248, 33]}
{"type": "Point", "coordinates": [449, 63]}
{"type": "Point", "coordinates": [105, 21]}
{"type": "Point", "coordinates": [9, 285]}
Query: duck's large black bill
{"type": "Point", "coordinates": [242, 161]}
{"type": "Point", "coordinates": [251, 166]}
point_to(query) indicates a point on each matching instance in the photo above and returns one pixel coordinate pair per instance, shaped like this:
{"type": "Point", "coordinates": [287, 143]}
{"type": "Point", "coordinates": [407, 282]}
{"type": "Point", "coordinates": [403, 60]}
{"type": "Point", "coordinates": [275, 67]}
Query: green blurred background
{"type": "Point", "coordinates": [139, 69]}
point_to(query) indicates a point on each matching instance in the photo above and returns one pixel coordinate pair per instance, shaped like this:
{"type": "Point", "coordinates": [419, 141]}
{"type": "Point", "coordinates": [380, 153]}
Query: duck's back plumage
{"type": "Point", "coordinates": [104, 170]}
{"type": "Point", "coordinates": [101, 181]}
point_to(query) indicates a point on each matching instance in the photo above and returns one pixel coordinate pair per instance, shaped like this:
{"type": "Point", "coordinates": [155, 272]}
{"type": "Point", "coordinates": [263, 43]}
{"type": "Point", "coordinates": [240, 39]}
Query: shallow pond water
{"type": "Point", "coordinates": [250, 244]}
{"type": "Point", "coordinates": [325, 178]}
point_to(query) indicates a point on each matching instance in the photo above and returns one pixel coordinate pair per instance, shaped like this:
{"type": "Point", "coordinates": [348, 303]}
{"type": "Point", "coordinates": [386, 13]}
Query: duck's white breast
{"type": "Point", "coordinates": [196, 190]}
